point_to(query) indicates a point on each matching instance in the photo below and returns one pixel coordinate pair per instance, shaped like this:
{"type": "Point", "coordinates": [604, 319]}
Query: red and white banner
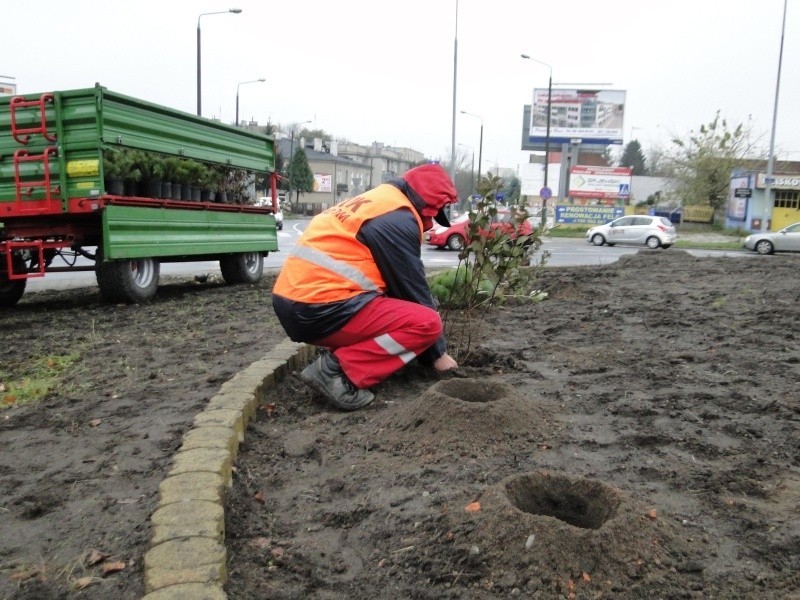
{"type": "Point", "coordinates": [600, 182]}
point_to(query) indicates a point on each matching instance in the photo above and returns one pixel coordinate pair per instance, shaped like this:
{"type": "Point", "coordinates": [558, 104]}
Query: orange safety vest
{"type": "Point", "coordinates": [328, 263]}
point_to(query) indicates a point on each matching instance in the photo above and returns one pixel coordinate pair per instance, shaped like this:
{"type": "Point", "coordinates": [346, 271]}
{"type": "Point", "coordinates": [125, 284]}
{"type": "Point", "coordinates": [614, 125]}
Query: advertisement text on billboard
{"type": "Point", "coordinates": [591, 116]}
{"type": "Point", "coordinates": [587, 215]}
{"type": "Point", "coordinates": [600, 182]}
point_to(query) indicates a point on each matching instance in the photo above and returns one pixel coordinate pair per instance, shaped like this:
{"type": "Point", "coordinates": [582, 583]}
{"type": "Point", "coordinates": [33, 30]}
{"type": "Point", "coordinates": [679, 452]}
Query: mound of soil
{"type": "Point", "coordinates": [634, 436]}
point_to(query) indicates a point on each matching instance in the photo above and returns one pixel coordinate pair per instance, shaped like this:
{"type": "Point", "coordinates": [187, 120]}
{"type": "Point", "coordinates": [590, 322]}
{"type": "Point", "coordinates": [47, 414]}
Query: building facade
{"type": "Point", "coordinates": [749, 205]}
{"type": "Point", "coordinates": [384, 161]}
{"type": "Point", "coordinates": [344, 170]}
{"type": "Point", "coordinates": [336, 177]}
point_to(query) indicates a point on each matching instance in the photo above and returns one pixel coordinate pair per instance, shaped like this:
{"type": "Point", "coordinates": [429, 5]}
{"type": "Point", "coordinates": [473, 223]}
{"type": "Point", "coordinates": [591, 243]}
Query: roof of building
{"type": "Point", "coordinates": [285, 148]}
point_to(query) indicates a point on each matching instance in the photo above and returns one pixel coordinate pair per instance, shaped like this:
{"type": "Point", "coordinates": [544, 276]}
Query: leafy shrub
{"type": "Point", "coordinates": [457, 289]}
{"type": "Point", "coordinates": [494, 266]}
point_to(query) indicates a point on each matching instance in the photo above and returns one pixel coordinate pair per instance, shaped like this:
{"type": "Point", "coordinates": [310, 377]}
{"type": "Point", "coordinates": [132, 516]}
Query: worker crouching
{"type": "Point", "coordinates": [355, 285]}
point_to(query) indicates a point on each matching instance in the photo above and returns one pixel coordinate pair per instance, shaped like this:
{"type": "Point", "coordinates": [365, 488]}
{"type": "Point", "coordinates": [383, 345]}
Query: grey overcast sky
{"type": "Point", "coordinates": [370, 70]}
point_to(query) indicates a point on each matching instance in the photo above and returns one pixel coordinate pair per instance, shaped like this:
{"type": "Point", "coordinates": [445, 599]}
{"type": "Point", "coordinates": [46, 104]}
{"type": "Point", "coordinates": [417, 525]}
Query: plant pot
{"type": "Point", "coordinates": [186, 191]}
{"type": "Point", "coordinates": [115, 186]}
{"type": "Point", "coordinates": [153, 188]}
{"type": "Point", "coordinates": [166, 190]}
{"type": "Point", "coordinates": [222, 197]}
{"type": "Point", "coordinates": [131, 187]}
{"type": "Point", "coordinates": [206, 195]}
{"type": "Point", "coordinates": [176, 191]}
{"type": "Point", "coordinates": [196, 193]}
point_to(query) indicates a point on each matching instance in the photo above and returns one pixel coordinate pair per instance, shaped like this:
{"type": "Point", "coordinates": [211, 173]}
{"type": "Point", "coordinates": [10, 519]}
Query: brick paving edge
{"type": "Point", "coordinates": [187, 559]}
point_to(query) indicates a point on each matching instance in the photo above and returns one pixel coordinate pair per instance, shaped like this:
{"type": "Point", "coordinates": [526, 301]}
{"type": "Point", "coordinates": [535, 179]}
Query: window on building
{"type": "Point", "coordinates": [787, 199]}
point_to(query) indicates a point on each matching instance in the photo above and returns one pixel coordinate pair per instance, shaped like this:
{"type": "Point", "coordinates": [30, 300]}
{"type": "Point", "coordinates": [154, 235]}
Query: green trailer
{"type": "Point", "coordinates": [95, 180]}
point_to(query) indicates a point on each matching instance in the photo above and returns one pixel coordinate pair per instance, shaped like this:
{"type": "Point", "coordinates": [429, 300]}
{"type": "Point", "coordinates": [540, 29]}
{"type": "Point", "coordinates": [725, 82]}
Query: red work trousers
{"type": "Point", "coordinates": [384, 336]}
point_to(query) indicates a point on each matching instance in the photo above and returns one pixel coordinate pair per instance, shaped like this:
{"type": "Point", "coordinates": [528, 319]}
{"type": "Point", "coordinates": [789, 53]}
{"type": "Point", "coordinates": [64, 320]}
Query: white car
{"type": "Point", "coordinates": [654, 232]}
{"type": "Point", "coordinates": [267, 201]}
{"type": "Point", "coordinates": [768, 242]}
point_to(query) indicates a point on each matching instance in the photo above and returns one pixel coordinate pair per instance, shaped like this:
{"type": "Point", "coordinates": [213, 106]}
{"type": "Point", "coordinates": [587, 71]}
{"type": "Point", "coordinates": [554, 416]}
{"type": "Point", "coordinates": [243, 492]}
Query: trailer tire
{"type": "Point", "coordinates": [11, 290]}
{"type": "Point", "coordinates": [245, 267]}
{"type": "Point", "coordinates": [130, 281]}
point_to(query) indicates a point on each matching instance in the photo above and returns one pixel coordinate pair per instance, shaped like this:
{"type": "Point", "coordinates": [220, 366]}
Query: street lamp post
{"type": "Point", "coordinates": [768, 180]}
{"type": "Point", "coordinates": [455, 77]}
{"type": "Point", "coordinates": [291, 154]}
{"type": "Point", "coordinates": [547, 133]}
{"type": "Point", "coordinates": [237, 94]}
{"type": "Point", "coordinates": [480, 144]}
{"type": "Point", "coordinates": [471, 170]}
{"type": "Point", "coordinates": [221, 12]}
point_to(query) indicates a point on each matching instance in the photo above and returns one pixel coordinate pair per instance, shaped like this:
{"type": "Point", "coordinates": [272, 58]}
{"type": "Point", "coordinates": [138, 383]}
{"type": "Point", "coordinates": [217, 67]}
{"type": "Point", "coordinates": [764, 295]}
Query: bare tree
{"type": "Point", "coordinates": [702, 162]}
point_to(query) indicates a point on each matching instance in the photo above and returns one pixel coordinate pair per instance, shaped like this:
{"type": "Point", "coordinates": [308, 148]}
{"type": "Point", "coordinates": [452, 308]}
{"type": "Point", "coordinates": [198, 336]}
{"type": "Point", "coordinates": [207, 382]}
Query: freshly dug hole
{"type": "Point", "coordinates": [469, 413]}
{"type": "Point", "coordinates": [472, 390]}
{"type": "Point", "coordinates": [578, 502]}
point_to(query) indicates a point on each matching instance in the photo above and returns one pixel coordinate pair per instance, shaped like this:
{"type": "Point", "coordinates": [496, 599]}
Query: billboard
{"type": "Point", "coordinates": [323, 182]}
{"type": "Point", "coordinates": [600, 182]}
{"type": "Point", "coordinates": [568, 214]}
{"type": "Point", "coordinates": [587, 116]}
{"type": "Point", "coordinates": [737, 201]}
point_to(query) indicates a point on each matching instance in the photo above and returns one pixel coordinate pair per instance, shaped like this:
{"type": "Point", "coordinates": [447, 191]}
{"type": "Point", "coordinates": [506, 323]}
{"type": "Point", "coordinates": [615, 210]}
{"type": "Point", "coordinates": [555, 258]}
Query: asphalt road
{"type": "Point", "coordinates": [563, 252]}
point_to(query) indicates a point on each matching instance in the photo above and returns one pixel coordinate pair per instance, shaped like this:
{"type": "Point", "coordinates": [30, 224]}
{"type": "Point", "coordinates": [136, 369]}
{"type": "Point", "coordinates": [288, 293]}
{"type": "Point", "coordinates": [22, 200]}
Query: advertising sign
{"type": "Point", "coordinates": [600, 182]}
{"type": "Point", "coordinates": [789, 182]}
{"type": "Point", "coordinates": [7, 88]}
{"type": "Point", "coordinates": [585, 116]}
{"type": "Point", "coordinates": [737, 202]}
{"type": "Point", "coordinates": [323, 183]}
{"type": "Point", "coordinates": [587, 215]}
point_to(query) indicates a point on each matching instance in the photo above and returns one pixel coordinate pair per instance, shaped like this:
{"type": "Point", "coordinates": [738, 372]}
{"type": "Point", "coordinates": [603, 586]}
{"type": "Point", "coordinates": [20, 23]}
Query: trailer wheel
{"type": "Point", "coordinates": [246, 267]}
{"type": "Point", "coordinates": [11, 290]}
{"type": "Point", "coordinates": [129, 281]}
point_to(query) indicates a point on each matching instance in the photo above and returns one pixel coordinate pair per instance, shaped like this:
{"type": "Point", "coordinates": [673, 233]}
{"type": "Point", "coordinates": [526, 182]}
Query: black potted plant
{"type": "Point", "coordinates": [195, 171]}
{"type": "Point", "coordinates": [208, 184]}
{"type": "Point", "coordinates": [222, 185]}
{"type": "Point", "coordinates": [113, 179]}
{"type": "Point", "coordinates": [151, 166]}
{"type": "Point", "coordinates": [171, 167]}
{"type": "Point", "coordinates": [130, 172]}
{"type": "Point", "coordinates": [183, 176]}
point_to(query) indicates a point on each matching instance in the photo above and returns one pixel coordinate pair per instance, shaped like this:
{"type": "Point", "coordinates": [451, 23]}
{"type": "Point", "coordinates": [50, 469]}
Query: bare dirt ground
{"type": "Point", "coordinates": [79, 472]}
{"type": "Point", "coordinates": [633, 436]}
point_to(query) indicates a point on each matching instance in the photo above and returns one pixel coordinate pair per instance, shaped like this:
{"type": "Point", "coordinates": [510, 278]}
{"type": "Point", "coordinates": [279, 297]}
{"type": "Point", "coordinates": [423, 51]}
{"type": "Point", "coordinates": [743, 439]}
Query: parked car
{"type": "Point", "coordinates": [652, 231]}
{"type": "Point", "coordinates": [267, 201]}
{"type": "Point", "coordinates": [769, 242]}
{"type": "Point", "coordinates": [455, 236]}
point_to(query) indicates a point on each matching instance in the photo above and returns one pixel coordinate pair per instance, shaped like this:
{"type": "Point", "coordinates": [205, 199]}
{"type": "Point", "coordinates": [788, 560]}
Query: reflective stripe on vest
{"type": "Point", "coordinates": [342, 269]}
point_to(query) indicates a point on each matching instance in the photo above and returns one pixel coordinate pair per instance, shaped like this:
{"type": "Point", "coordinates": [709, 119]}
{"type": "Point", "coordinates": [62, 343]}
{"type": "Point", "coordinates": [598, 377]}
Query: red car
{"type": "Point", "coordinates": [455, 236]}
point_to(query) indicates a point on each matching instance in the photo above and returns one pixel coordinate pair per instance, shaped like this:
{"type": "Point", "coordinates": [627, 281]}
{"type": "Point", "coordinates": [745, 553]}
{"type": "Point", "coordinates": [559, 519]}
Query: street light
{"type": "Point", "coordinates": [455, 77]}
{"type": "Point", "coordinates": [262, 80]}
{"type": "Point", "coordinates": [221, 12]}
{"type": "Point", "coordinates": [768, 180]}
{"type": "Point", "coordinates": [547, 133]}
{"type": "Point", "coordinates": [291, 154]}
{"type": "Point", "coordinates": [480, 145]}
{"type": "Point", "coordinates": [472, 169]}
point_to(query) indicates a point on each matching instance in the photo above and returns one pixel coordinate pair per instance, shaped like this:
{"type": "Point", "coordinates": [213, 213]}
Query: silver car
{"type": "Point", "coordinates": [654, 232]}
{"type": "Point", "coordinates": [768, 242]}
{"type": "Point", "coordinates": [267, 201]}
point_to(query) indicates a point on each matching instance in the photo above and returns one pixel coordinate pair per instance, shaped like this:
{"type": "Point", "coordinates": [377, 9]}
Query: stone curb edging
{"type": "Point", "coordinates": [187, 559]}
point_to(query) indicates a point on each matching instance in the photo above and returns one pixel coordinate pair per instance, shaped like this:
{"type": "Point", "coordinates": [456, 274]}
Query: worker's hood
{"type": "Point", "coordinates": [433, 190]}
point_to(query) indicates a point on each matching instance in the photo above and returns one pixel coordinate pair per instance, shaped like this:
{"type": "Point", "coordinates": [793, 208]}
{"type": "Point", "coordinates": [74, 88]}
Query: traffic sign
{"type": "Point", "coordinates": [546, 193]}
